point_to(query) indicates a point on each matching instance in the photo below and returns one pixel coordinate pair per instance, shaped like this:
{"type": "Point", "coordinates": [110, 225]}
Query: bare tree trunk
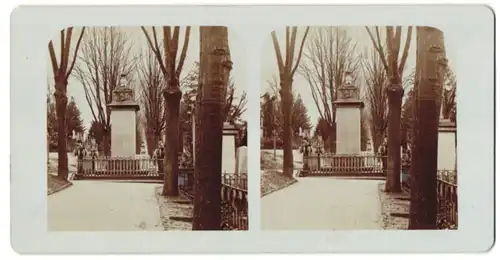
{"type": "Point", "coordinates": [286, 104]}
{"type": "Point", "coordinates": [333, 137]}
{"type": "Point", "coordinates": [207, 204]}
{"type": "Point", "coordinates": [395, 99]}
{"type": "Point", "coordinates": [62, 152]}
{"type": "Point", "coordinates": [431, 54]}
{"type": "Point", "coordinates": [106, 139]}
{"type": "Point", "coordinates": [377, 139]}
{"type": "Point", "coordinates": [172, 100]}
{"type": "Point", "coordinates": [61, 72]}
{"type": "Point", "coordinates": [150, 143]}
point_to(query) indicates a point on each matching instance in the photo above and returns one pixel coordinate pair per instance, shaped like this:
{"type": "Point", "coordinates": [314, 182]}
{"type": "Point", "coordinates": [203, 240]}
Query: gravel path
{"type": "Point", "coordinates": [323, 204]}
{"type": "Point", "coordinates": [104, 206]}
{"type": "Point", "coordinates": [394, 207]}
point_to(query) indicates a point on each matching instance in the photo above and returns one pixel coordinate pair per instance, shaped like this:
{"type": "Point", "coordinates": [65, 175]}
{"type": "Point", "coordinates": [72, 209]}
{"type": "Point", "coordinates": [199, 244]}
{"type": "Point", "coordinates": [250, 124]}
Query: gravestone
{"type": "Point", "coordinates": [446, 145]}
{"type": "Point", "coordinates": [229, 133]}
{"type": "Point", "coordinates": [241, 158]}
{"type": "Point", "coordinates": [348, 118]}
{"type": "Point", "coordinates": [123, 120]}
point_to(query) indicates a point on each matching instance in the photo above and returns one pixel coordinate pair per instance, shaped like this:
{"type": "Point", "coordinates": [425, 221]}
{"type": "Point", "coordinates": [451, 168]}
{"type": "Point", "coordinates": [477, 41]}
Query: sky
{"type": "Point", "coordinates": [359, 35]}
{"type": "Point", "coordinates": [139, 42]}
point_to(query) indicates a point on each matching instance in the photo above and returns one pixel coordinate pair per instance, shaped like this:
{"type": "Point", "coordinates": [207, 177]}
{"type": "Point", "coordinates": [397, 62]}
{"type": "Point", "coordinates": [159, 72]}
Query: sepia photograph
{"type": "Point", "coordinates": [146, 129]}
{"type": "Point", "coordinates": [358, 128]}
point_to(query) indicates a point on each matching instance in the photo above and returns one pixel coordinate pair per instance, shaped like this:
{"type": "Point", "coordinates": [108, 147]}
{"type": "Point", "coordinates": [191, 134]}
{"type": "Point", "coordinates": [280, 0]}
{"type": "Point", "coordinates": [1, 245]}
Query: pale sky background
{"type": "Point", "coordinates": [139, 41]}
{"type": "Point", "coordinates": [269, 67]}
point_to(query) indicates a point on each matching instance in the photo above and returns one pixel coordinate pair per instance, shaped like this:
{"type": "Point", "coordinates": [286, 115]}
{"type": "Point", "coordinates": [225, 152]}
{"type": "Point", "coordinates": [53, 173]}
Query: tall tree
{"type": "Point", "coordinates": [322, 128]}
{"type": "Point", "coordinates": [96, 132]}
{"type": "Point", "coordinates": [329, 54]}
{"type": "Point", "coordinates": [448, 107]}
{"type": "Point", "coordinates": [52, 136]}
{"type": "Point", "coordinates": [105, 55]}
{"type": "Point", "coordinates": [266, 107]}
{"type": "Point", "coordinates": [430, 72]}
{"type": "Point", "coordinates": [375, 97]}
{"type": "Point", "coordinates": [74, 122]}
{"type": "Point", "coordinates": [234, 106]}
{"type": "Point", "coordinates": [449, 95]}
{"type": "Point", "coordinates": [151, 85]}
{"type": "Point", "coordinates": [287, 70]}
{"type": "Point", "coordinates": [61, 73]}
{"type": "Point", "coordinates": [394, 67]}
{"type": "Point", "coordinates": [300, 119]}
{"type": "Point", "coordinates": [215, 66]}
{"type": "Point", "coordinates": [172, 95]}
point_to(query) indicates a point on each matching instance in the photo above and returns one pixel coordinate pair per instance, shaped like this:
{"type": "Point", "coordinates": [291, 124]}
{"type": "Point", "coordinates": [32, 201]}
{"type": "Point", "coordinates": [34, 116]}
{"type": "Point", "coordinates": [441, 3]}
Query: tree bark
{"type": "Point", "coordinates": [333, 139]}
{"type": "Point", "coordinates": [106, 139]}
{"type": "Point", "coordinates": [431, 64]}
{"type": "Point", "coordinates": [150, 142]}
{"type": "Point", "coordinates": [61, 107]}
{"type": "Point", "coordinates": [286, 104]}
{"type": "Point", "coordinates": [172, 99]}
{"type": "Point", "coordinates": [215, 65]}
{"type": "Point", "coordinates": [395, 98]}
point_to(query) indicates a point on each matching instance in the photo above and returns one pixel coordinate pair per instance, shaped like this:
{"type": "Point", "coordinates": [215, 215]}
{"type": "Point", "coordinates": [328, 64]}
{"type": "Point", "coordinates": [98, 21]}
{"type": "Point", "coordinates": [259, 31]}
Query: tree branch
{"type": "Point", "coordinates": [300, 50]}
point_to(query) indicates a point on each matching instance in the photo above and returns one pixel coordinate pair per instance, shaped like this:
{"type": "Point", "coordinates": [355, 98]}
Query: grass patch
{"type": "Point", "coordinates": [273, 180]}
{"type": "Point", "coordinates": [55, 184]}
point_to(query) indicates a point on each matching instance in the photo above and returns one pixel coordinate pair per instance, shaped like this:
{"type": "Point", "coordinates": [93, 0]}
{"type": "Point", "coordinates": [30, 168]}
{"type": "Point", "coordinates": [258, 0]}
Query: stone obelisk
{"type": "Point", "coordinates": [348, 117]}
{"type": "Point", "coordinates": [123, 120]}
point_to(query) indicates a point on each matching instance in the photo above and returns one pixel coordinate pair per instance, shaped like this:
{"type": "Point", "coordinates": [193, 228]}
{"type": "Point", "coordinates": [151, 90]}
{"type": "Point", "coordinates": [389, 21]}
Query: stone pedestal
{"type": "Point", "coordinates": [447, 157]}
{"type": "Point", "coordinates": [229, 133]}
{"type": "Point", "coordinates": [348, 120]}
{"type": "Point", "coordinates": [123, 123]}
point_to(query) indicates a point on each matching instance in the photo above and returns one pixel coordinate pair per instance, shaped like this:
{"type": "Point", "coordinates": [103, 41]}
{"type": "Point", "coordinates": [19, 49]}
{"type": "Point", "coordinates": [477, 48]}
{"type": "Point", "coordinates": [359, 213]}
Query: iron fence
{"type": "Point", "coordinates": [234, 202]}
{"type": "Point", "coordinates": [186, 182]}
{"type": "Point", "coordinates": [343, 165]}
{"type": "Point", "coordinates": [447, 200]}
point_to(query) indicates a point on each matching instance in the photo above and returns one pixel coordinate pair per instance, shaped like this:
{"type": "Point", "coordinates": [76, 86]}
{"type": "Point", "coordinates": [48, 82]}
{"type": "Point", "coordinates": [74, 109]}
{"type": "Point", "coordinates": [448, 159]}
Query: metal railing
{"type": "Point", "coordinates": [234, 202]}
{"type": "Point", "coordinates": [186, 182]}
{"type": "Point", "coordinates": [447, 199]}
{"type": "Point", "coordinates": [118, 167]}
{"type": "Point", "coordinates": [343, 164]}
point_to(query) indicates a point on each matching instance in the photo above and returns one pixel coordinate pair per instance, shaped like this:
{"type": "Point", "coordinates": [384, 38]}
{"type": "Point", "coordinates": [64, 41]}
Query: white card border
{"type": "Point", "coordinates": [32, 27]}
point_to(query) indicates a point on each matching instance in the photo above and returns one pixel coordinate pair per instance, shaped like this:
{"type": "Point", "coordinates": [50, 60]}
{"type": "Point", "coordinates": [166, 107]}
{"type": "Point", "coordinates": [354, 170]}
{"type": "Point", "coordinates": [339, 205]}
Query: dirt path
{"type": "Point", "coordinates": [104, 206]}
{"type": "Point", "coordinates": [323, 204]}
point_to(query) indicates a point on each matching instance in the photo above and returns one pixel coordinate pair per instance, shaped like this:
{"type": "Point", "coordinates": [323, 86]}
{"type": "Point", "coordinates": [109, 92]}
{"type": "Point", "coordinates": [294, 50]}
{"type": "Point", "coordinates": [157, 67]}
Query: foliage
{"type": "Point", "coordinates": [300, 119]}
{"type": "Point", "coordinates": [448, 105]}
{"type": "Point", "coordinates": [234, 106]}
{"type": "Point", "coordinates": [272, 116]}
{"type": "Point", "coordinates": [96, 131]}
{"type": "Point", "coordinates": [268, 109]}
{"type": "Point", "coordinates": [74, 122]}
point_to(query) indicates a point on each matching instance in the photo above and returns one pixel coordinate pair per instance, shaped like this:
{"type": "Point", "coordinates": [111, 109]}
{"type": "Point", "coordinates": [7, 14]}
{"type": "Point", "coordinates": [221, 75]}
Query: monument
{"type": "Point", "coordinates": [123, 120]}
{"type": "Point", "coordinates": [229, 133]}
{"type": "Point", "coordinates": [348, 117]}
{"type": "Point", "coordinates": [447, 157]}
